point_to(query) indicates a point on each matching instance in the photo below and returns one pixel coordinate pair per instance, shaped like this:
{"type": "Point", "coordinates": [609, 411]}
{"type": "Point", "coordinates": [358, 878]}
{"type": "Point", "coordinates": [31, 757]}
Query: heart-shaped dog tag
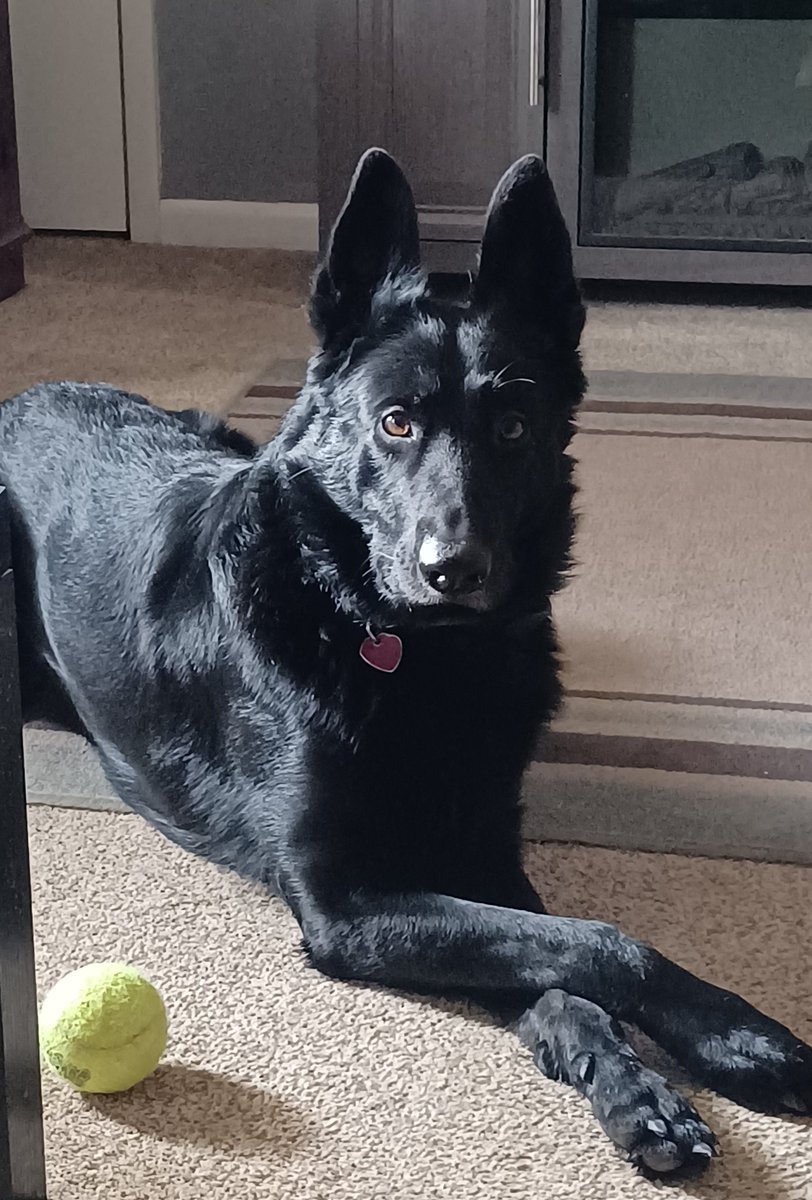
{"type": "Point", "coordinates": [383, 652]}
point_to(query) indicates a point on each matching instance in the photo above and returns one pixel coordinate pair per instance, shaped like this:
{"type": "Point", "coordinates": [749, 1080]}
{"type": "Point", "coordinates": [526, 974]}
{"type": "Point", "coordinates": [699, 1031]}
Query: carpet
{"type": "Point", "coordinates": [185, 327]}
{"type": "Point", "coordinates": [279, 1083]}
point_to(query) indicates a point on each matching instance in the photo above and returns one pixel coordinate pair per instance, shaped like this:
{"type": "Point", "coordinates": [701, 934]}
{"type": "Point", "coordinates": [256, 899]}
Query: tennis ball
{"type": "Point", "coordinates": [103, 1028]}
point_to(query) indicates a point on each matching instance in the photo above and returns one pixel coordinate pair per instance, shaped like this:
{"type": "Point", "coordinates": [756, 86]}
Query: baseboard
{"type": "Point", "coordinates": [240, 224]}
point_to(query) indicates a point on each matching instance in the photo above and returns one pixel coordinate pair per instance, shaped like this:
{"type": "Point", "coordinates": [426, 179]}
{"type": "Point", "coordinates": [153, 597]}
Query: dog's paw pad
{"type": "Point", "coordinates": [654, 1125]}
{"type": "Point", "coordinates": [664, 1148]}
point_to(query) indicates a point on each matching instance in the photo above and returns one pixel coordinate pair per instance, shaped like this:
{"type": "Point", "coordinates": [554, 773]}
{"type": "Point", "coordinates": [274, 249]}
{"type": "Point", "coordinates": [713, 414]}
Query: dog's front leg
{"type": "Point", "coordinates": [503, 954]}
{"type": "Point", "coordinates": [576, 1042]}
{"type": "Point", "coordinates": [500, 954]}
{"type": "Point", "coordinates": [435, 943]}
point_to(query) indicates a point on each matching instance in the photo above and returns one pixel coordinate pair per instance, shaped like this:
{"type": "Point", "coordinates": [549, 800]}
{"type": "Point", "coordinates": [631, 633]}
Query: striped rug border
{"type": "Point", "coordinates": [689, 400]}
{"type": "Point", "coordinates": [704, 701]}
{"type": "Point", "coordinates": [694, 757]}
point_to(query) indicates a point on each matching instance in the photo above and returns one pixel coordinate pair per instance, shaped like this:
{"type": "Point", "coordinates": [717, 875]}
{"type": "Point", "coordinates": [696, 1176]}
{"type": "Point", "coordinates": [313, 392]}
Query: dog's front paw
{"type": "Point", "coordinates": [651, 1122]}
{"type": "Point", "coordinates": [760, 1065]}
{"type": "Point", "coordinates": [736, 1050]}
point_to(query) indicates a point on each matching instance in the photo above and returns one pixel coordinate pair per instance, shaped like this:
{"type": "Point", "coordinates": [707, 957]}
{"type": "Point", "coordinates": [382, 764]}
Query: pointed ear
{"type": "Point", "coordinates": [525, 263]}
{"type": "Point", "coordinates": [375, 235]}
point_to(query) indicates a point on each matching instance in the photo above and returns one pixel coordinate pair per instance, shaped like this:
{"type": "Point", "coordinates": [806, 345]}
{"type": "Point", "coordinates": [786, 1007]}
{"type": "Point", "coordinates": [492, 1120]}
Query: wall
{"type": "Point", "coordinates": [238, 99]}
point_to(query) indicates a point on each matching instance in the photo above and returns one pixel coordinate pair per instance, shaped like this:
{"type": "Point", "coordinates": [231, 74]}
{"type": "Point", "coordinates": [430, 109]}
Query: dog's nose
{"type": "Point", "coordinates": [453, 568]}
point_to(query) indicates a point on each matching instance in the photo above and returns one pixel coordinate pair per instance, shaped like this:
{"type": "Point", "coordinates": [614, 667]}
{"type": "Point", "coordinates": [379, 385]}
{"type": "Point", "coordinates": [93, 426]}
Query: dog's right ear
{"type": "Point", "coordinates": [375, 235]}
{"type": "Point", "coordinates": [525, 265]}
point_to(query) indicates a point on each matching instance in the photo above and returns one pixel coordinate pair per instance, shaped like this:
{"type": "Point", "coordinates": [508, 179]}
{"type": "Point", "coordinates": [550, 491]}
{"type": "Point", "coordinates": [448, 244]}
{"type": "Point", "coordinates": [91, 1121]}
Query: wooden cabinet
{"type": "Point", "coordinates": [451, 89]}
{"type": "Point", "coordinates": [12, 229]}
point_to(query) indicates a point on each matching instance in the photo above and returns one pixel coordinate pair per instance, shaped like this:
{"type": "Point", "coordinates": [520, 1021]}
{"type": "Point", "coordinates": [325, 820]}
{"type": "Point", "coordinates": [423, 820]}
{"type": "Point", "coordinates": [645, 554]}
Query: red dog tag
{"type": "Point", "coordinates": [383, 652]}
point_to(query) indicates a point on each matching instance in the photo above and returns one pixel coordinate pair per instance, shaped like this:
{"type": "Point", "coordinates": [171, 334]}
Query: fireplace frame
{"type": "Point", "coordinates": [571, 54]}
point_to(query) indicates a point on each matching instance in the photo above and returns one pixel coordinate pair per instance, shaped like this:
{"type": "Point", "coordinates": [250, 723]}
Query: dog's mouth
{"type": "Point", "coordinates": [422, 607]}
{"type": "Point", "coordinates": [421, 611]}
{"type": "Point", "coordinates": [430, 616]}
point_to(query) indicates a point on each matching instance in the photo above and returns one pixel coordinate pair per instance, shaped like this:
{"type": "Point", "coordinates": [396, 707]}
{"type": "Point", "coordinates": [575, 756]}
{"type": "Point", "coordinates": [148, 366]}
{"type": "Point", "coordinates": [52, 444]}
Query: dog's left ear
{"type": "Point", "coordinates": [525, 263]}
{"type": "Point", "coordinates": [376, 235]}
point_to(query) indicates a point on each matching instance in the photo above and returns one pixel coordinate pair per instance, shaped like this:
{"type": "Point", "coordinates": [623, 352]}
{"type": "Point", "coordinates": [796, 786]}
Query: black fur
{"type": "Point", "coordinates": [196, 606]}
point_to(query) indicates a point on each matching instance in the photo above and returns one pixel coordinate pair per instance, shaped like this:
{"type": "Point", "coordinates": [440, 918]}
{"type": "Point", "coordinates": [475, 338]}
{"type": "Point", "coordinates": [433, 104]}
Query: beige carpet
{"type": "Point", "coordinates": [694, 568]}
{"type": "Point", "coordinates": [191, 326]}
{"type": "Point", "coordinates": [185, 327]}
{"type": "Point", "coordinates": [741, 339]}
{"type": "Point", "coordinates": [281, 1084]}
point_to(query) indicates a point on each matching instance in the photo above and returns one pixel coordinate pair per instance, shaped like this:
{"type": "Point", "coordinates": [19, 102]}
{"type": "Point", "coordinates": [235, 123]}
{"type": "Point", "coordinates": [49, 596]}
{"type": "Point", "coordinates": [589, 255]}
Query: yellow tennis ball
{"type": "Point", "coordinates": [103, 1028]}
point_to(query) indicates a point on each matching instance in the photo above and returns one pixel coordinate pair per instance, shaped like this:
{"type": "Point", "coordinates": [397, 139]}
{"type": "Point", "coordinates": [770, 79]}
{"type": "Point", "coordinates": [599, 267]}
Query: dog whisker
{"type": "Point", "coordinates": [517, 379]}
{"type": "Point", "coordinates": [507, 367]}
{"type": "Point", "coordinates": [296, 474]}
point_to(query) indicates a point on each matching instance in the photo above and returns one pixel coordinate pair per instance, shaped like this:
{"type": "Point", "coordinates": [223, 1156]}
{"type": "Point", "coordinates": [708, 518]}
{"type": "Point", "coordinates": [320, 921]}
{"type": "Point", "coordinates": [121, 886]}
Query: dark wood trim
{"type": "Point", "coordinates": [280, 391]}
{"type": "Point", "coordinates": [12, 227]}
{"type": "Point", "coordinates": [12, 273]}
{"type": "Point", "coordinates": [22, 1153]}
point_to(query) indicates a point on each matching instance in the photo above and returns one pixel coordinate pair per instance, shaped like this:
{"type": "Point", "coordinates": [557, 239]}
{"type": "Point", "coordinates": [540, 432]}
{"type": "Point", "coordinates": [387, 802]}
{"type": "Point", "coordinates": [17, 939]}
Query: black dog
{"type": "Point", "coordinates": [325, 663]}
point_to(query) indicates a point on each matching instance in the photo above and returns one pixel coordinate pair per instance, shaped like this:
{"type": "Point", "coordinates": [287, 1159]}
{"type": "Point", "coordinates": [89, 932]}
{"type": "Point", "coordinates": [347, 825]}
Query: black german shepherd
{"type": "Point", "coordinates": [325, 663]}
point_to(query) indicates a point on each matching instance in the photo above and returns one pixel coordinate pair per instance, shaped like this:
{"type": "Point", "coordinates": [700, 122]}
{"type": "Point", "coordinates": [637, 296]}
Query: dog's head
{"type": "Point", "coordinates": [438, 428]}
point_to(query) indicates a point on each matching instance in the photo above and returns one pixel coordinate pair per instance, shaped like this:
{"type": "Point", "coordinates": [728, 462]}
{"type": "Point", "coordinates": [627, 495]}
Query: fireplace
{"type": "Point", "coordinates": [679, 134]}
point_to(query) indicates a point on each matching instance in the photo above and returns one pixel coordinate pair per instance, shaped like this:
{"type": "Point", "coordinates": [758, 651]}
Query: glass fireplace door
{"type": "Point", "coordinates": [697, 127]}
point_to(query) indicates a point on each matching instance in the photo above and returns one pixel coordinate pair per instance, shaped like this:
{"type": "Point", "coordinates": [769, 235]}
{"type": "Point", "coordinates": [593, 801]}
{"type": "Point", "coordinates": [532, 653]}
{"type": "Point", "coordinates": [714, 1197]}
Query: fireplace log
{"type": "Point", "coordinates": [783, 177]}
{"type": "Point", "coordinates": [710, 196]}
{"type": "Point", "coordinates": [693, 185]}
{"type": "Point", "coordinates": [740, 160]}
{"type": "Point", "coordinates": [643, 193]}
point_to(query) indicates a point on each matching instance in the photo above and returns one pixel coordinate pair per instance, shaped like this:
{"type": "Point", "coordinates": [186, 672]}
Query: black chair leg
{"type": "Point", "coordinates": [22, 1160]}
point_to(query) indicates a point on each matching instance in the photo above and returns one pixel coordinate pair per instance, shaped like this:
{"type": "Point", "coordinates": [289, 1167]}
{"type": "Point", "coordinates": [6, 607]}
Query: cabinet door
{"type": "Point", "coordinates": [445, 86]}
{"type": "Point", "coordinates": [70, 131]}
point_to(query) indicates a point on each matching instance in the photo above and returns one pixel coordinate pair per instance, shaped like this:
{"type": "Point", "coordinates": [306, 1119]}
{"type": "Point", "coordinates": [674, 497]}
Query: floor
{"type": "Point", "coordinates": [279, 1083]}
{"type": "Point", "coordinates": [181, 326]}
{"type": "Point", "coordinates": [689, 726]}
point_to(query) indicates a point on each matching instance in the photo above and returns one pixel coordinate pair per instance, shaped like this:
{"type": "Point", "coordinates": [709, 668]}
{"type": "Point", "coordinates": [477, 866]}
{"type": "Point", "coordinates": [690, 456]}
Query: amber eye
{"type": "Point", "coordinates": [512, 427]}
{"type": "Point", "coordinates": [396, 424]}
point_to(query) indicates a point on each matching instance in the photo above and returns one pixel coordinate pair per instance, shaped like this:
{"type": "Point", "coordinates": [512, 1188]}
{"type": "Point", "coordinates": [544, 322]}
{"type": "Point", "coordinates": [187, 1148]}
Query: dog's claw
{"type": "Point", "coordinates": [662, 1157]}
{"type": "Point", "coordinates": [587, 1069]}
